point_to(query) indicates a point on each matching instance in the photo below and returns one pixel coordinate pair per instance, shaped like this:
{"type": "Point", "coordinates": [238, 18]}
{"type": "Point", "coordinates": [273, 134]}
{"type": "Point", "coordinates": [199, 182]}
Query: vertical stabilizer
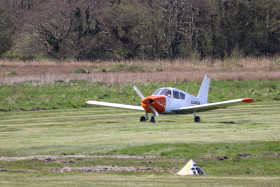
{"type": "Point", "coordinates": [203, 92]}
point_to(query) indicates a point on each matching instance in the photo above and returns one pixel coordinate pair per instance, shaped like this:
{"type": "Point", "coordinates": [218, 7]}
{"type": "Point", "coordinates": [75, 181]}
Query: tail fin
{"type": "Point", "coordinates": [203, 92]}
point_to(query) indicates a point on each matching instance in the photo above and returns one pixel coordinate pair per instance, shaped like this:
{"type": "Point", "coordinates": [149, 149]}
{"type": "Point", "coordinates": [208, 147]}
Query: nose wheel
{"type": "Point", "coordinates": [143, 118]}
{"type": "Point", "coordinates": [152, 119]}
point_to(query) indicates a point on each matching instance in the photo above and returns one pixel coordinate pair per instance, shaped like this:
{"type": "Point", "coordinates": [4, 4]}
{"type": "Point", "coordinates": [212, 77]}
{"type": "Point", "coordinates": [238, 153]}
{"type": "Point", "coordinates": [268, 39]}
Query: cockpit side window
{"type": "Point", "coordinates": [166, 92]}
{"type": "Point", "coordinates": [176, 95]}
{"type": "Point", "coordinates": [157, 91]}
{"type": "Point", "coordinates": [182, 96]}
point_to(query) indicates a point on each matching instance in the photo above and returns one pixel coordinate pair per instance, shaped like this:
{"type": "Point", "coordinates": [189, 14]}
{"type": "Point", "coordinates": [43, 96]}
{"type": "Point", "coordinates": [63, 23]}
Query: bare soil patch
{"type": "Point", "coordinates": [242, 156]}
{"type": "Point", "coordinates": [90, 169]}
{"type": "Point", "coordinates": [101, 169]}
{"type": "Point", "coordinates": [50, 157]}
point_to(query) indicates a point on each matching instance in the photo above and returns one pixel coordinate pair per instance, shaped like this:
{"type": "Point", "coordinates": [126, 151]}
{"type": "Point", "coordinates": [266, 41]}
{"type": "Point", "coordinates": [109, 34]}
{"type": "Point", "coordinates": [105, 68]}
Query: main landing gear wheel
{"type": "Point", "coordinates": [197, 119]}
{"type": "Point", "coordinates": [143, 118]}
{"type": "Point", "coordinates": [152, 119]}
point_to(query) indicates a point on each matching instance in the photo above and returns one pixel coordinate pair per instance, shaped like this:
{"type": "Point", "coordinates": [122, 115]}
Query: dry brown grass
{"type": "Point", "coordinates": [264, 68]}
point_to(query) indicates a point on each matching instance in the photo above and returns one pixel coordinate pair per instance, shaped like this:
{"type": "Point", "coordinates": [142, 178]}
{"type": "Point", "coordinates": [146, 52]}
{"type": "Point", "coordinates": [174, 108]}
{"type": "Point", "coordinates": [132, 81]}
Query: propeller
{"type": "Point", "coordinates": [138, 92]}
{"type": "Point", "coordinates": [142, 96]}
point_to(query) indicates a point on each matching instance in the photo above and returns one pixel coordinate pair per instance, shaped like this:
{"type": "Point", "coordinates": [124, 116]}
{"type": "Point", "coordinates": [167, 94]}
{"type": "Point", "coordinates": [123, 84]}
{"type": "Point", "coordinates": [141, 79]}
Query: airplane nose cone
{"type": "Point", "coordinates": [158, 102]}
{"type": "Point", "coordinates": [145, 100]}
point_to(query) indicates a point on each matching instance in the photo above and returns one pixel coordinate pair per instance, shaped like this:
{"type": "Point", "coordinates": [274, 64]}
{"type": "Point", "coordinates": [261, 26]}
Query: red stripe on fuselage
{"type": "Point", "coordinates": [156, 101]}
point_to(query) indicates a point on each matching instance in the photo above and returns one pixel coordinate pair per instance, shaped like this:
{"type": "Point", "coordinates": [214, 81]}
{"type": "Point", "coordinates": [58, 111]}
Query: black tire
{"type": "Point", "coordinates": [152, 119]}
{"type": "Point", "coordinates": [197, 119]}
{"type": "Point", "coordinates": [143, 118]}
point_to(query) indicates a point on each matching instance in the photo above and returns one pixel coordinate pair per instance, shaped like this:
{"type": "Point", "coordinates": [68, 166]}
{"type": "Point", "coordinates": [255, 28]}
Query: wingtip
{"type": "Point", "coordinates": [248, 100]}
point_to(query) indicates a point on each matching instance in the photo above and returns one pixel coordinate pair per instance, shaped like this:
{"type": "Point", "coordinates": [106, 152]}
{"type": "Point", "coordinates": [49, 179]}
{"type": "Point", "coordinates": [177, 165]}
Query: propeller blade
{"type": "Point", "coordinates": [154, 110]}
{"type": "Point", "coordinates": [142, 96]}
{"type": "Point", "coordinates": [138, 92]}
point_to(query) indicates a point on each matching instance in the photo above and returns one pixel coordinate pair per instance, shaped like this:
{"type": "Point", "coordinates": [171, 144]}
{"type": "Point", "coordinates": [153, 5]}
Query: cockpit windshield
{"type": "Point", "coordinates": [162, 91]}
{"type": "Point", "coordinates": [166, 92]}
{"type": "Point", "coordinates": [157, 91]}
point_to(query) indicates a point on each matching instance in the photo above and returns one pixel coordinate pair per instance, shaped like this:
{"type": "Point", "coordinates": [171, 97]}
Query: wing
{"type": "Point", "coordinates": [211, 106]}
{"type": "Point", "coordinates": [132, 107]}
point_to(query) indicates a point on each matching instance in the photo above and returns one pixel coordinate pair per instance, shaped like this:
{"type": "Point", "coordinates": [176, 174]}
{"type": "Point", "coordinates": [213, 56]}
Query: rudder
{"type": "Point", "coordinates": [204, 89]}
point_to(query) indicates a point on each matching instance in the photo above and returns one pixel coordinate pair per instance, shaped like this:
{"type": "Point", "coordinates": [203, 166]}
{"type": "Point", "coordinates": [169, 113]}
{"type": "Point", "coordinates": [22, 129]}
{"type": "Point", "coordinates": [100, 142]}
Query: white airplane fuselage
{"type": "Point", "coordinates": [164, 100]}
{"type": "Point", "coordinates": [173, 103]}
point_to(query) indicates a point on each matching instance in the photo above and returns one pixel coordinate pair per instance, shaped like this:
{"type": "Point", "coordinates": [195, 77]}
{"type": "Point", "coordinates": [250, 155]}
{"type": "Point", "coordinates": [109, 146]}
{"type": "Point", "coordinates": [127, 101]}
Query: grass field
{"type": "Point", "coordinates": [49, 137]}
{"type": "Point", "coordinates": [73, 94]}
{"type": "Point", "coordinates": [237, 146]}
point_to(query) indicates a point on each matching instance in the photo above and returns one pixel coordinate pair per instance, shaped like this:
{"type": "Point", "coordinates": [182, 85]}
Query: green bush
{"type": "Point", "coordinates": [9, 73]}
{"type": "Point", "coordinates": [119, 68]}
{"type": "Point", "coordinates": [124, 68]}
{"type": "Point", "coordinates": [158, 69]}
{"type": "Point", "coordinates": [79, 70]}
{"type": "Point", "coordinates": [18, 56]}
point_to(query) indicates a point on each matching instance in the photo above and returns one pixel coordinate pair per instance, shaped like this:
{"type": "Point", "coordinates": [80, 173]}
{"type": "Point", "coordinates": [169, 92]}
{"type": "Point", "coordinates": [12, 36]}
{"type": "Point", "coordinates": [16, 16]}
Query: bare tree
{"type": "Point", "coordinates": [6, 32]}
{"type": "Point", "coordinates": [178, 23]}
{"type": "Point", "coordinates": [61, 28]}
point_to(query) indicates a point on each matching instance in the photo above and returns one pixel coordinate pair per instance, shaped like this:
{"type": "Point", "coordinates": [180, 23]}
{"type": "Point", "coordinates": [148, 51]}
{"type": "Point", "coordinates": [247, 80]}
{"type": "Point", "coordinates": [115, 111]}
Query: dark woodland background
{"type": "Point", "coordinates": [138, 29]}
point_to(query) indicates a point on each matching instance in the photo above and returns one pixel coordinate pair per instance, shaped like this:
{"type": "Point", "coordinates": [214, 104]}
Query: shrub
{"type": "Point", "coordinates": [124, 68]}
{"type": "Point", "coordinates": [18, 56]}
{"type": "Point", "coordinates": [79, 70]}
{"type": "Point", "coordinates": [158, 69]}
{"type": "Point", "coordinates": [9, 73]}
{"type": "Point", "coordinates": [119, 68]}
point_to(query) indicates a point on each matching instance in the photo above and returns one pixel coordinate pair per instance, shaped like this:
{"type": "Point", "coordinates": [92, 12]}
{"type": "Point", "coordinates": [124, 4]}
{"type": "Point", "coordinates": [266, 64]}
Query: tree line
{"type": "Point", "coordinates": [139, 29]}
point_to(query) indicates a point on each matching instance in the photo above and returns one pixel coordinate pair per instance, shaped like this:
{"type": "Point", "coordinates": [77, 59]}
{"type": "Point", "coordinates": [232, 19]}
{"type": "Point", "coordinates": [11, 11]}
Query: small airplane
{"type": "Point", "coordinates": [174, 101]}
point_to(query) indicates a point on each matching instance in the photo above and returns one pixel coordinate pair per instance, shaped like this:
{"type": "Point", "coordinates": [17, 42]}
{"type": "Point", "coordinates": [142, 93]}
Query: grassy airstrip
{"type": "Point", "coordinates": [234, 146]}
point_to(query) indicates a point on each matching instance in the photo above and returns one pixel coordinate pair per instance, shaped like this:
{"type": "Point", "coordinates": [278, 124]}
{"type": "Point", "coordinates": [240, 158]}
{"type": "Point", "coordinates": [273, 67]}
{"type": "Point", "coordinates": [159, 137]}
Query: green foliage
{"type": "Point", "coordinates": [124, 68]}
{"type": "Point", "coordinates": [9, 73]}
{"type": "Point", "coordinates": [120, 68]}
{"type": "Point", "coordinates": [158, 69]}
{"type": "Point", "coordinates": [10, 55]}
{"type": "Point", "coordinates": [79, 70]}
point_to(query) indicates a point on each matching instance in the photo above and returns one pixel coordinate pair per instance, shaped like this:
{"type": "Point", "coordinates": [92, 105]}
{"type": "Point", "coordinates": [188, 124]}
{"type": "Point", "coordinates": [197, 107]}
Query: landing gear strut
{"type": "Point", "coordinates": [196, 118]}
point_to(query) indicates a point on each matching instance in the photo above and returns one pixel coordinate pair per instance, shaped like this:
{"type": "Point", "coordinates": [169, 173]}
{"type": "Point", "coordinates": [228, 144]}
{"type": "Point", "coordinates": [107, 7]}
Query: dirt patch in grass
{"type": "Point", "coordinates": [220, 158]}
{"type": "Point", "coordinates": [90, 169]}
{"type": "Point", "coordinates": [101, 169]}
{"type": "Point", "coordinates": [50, 157]}
{"type": "Point", "coordinates": [242, 156]}
{"type": "Point", "coordinates": [245, 155]}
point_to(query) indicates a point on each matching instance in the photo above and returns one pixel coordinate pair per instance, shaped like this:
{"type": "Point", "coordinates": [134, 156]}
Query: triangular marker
{"type": "Point", "coordinates": [191, 168]}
